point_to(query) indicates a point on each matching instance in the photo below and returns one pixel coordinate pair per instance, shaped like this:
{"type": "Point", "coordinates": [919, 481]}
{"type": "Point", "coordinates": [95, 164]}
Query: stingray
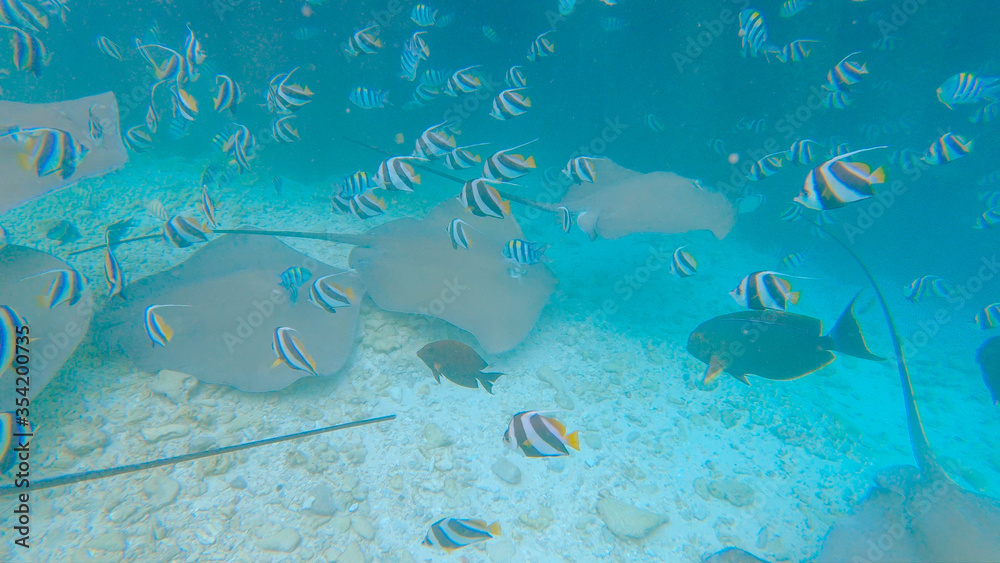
{"type": "Point", "coordinates": [409, 266]}
{"type": "Point", "coordinates": [622, 202]}
{"type": "Point", "coordinates": [230, 286]}
{"type": "Point", "coordinates": [54, 333]}
{"type": "Point", "coordinates": [18, 185]}
{"type": "Point", "coordinates": [914, 513]}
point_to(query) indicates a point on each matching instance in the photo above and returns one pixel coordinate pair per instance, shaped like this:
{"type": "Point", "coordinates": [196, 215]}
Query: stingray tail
{"type": "Point", "coordinates": [846, 335]}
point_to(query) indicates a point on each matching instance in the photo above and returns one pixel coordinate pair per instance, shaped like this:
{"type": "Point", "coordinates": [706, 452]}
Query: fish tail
{"type": "Point", "coordinates": [793, 297]}
{"type": "Point", "coordinates": [878, 176]}
{"type": "Point", "coordinates": [573, 440]}
{"type": "Point", "coordinates": [494, 529]}
{"type": "Point", "coordinates": [846, 335]}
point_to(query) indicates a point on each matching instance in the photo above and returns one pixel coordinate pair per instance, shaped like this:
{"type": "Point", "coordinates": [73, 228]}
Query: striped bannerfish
{"type": "Point", "coordinates": [539, 436]}
{"type": "Point", "coordinates": [504, 166]}
{"type": "Point", "coordinates": [794, 52]}
{"type": "Point", "coordinates": [491, 34]}
{"type": "Point", "coordinates": [66, 287]}
{"type": "Point", "coordinates": [289, 351]}
{"type": "Point", "coordinates": [292, 279]}
{"type": "Point", "coordinates": [355, 184]}
{"type": "Point", "coordinates": [419, 45]}
{"type": "Point", "coordinates": [753, 33]}
{"type": "Point", "coordinates": [112, 272]}
{"type": "Point", "coordinates": [836, 183]}
{"type": "Point", "coordinates": [29, 51]}
{"type": "Point", "coordinates": [11, 326]}
{"type": "Point", "coordinates": [152, 116]}
{"type": "Point", "coordinates": [801, 152]}
{"type": "Point", "coordinates": [462, 158]}
{"type": "Point", "coordinates": [846, 73]}
{"type": "Point", "coordinates": [456, 231]}
{"type": "Point", "coordinates": [423, 15]}
{"type": "Point", "coordinates": [397, 175]}
{"type": "Point", "coordinates": [329, 296]}
{"type": "Point", "coordinates": [580, 169]}
{"type": "Point", "coordinates": [15, 434]}
{"type": "Point", "coordinates": [793, 260]}
{"type": "Point", "coordinates": [683, 265]}
{"type": "Point", "coordinates": [463, 82]}
{"type": "Point", "coordinates": [434, 142]}
{"type": "Point", "coordinates": [989, 317]}
{"type": "Point", "coordinates": [239, 146]}
{"type": "Point", "coordinates": [510, 103]}
{"type": "Point", "coordinates": [967, 88]}
{"type": "Point", "coordinates": [612, 24]}
{"type": "Point", "coordinates": [989, 218]}
{"type": "Point", "coordinates": [653, 123]}
{"type": "Point", "coordinates": [182, 232]}
{"type": "Point", "coordinates": [366, 98]}
{"type": "Point", "coordinates": [422, 94]}
{"type": "Point", "coordinates": [49, 151]}
{"type": "Point", "coordinates": [287, 97]}
{"type": "Point", "coordinates": [341, 204]}
{"type": "Point", "coordinates": [409, 60]}
{"type": "Point", "coordinates": [565, 218]}
{"type": "Point", "coordinates": [541, 46]}
{"type": "Point", "coordinates": [792, 7]}
{"type": "Point", "coordinates": [184, 104]}
{"type": "Point", "coordinates": [229, 95]}
{"type": "Point", "coordinates": [283, 131]}
{"type": "Point", "coordinates": [364, 41]}
{"type": "Point", "coordinates": [764, 290]}
{"type": "Point", "coordinates": [749, 124]}
{"type": "Point", "coordinates": [946, 148]}
{"type": "Point", "coordinates": [455, 533]}
{"type": "Point", "coordinates": [766, 166]}
{"type": "Point", "coordinates": [840, 149]}
{"type": "Point", "coordinates": [515, 77]}
{"type": "Point", "coordinates": [23, 15]}
{"type": "Point", "coordinates": [193, 53]}
{"type": "Point", "coordinates": [366, 205]}
{"type": "Point", "coordinates": [836, 99]}
{"type": "Point", "coordinates": [524, 253]}
{"type": "Point", "coordinates": [207, 208]}
{"type": "Point", "coordinates": [157, 329]}
{"type": "Point", "coordinates": [483, 200]}
{"type": "Point", "coordinates": [138, 139]}
{"type": "Point", "coordinates": [919, 287]}
{"type": "Point", "coordinates": [986, 114]}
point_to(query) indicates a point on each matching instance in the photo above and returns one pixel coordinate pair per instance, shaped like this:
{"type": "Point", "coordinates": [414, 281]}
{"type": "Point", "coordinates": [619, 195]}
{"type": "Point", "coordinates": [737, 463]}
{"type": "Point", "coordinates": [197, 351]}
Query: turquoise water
{"type": "Point", "coordinates": [669, 467]}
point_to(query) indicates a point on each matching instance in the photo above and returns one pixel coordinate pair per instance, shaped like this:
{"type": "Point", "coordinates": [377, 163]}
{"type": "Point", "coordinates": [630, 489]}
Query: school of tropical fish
{"type": "Point", "coordinates": [186, 86]}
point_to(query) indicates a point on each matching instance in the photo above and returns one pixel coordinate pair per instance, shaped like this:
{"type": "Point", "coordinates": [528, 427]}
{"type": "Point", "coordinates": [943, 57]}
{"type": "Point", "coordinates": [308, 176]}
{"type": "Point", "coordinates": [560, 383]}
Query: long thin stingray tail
{"type": "Point", "coordinates": [918, 438]}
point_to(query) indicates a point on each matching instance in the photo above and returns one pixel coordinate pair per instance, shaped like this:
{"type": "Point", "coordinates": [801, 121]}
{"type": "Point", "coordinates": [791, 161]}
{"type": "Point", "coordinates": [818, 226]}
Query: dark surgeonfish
{"type": "Point", "coordinates": [457, 362]}
{"type": "Point", "coordinates": [774, 344]}
{"type": "Point", "coordinates": [989, 361]}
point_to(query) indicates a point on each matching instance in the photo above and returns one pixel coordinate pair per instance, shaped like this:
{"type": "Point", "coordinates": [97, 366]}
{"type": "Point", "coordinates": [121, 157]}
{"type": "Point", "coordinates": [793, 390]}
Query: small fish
{"type": "Point", "coordinates": [989, 218]}
{"type": "Point", "coordinates": [483, 200]}
{"type": "Point", "coordinates": [836, 99]}
{"type": "Point", "coordinates": [846, 73]}
{"type": "Point", "coordinates": [228, 96]}
{"type": "Point", "coordinates": [366, 205]}
{"type": "Point", "coordinates": [751, 125]}
{"type": "Point", "coordinates": [455, 533]}
{"type": "Point", "coordinates": [524, 253]}
{"type": "Point", "coordinates": [63, 232]}
{"type": "Point", "coordinates": [462, 158]}
{"type": "Point", "coordinates": [364, 41]}
{"type": "Point", "coordinates": [919, 287]}
{"type": "Point", "coordinates": [612, 24]}
{"type": "Point", "coordinates": [109, 48]}
{"type": "Point", "coordinates": [565, 218]}
{"type": "Point", "coordinates": [753, 33]}
{"type": "Point", "coordinates": [989, 317]}
{"type": "Point", "coordinates": [423, 15]}
{"type": "Point", "coordinates": [796, 51]}
{"type": "Point", "coordinates": [541, 47]}
{"type": "Point", "coordinates": [112, 272]}
{"type": "Point", "coordinates": [458, 363]}
{"type": "Point", "coordinates": [355, 184]}
{"type": "Point", "coordinates": [463, 82]}
{"type": "Point", "coordinates": [580, 169]}
{"type": "Point", "coordinates": [653, 123]}
{"type": "Point", "coordinates": [48, 151]}
{"type": "Point", "coordinates": [155, 209]}
{"type": "Point", "coordinates": [947, 148]}
{"type": "Point", "coordinates": [682, 264]}
{"type": "Point", "coordinates": [208, 208]}
{"type": "Point", "coordinates": [29, 51]}
{"type": "Point", "coordinates": [792, 7]}
{"type": "Point", "coordinates": [289, 351]}
{"type": "Point", "coordinates": [94, 128]}
{"type": "Point", "coordinates": [366, 98]}
{"type": "Point", "coordinates": [330, 296]}
{"type": "Point", "coordinates": [793, 213]}
{"type": "Point", "coordinates": [408, 62]}
{"type": "Point", "coordinates": [158, 331]}
{"type": "Point", "coordinates": [277, 182]}
{"type": "Point", "coordinates": [766, 166]}
{"type": "Point", "coordinates": [193, 53]}
{"type": "Point", "coordinates": [537, 435]}
{"type": "Point", "coordinates": [764, 290]}
{"type": "Point", "coordinates": [304, 33]}
{"type": "Point", "coordinates": [433, 78]}
{"type": "Point", "coordinates": [990, 179]}
{"type": "Point", "coordinates": [515, 77]}
{"type": "Point", "coordinates": [138, 139]}
{"type": "Point", "coordinates": [505, 166]}
{"type": "Point", "coordinates": [182, 232]}
{"type": "Point", "coordinates": [991, 198]}
{"type": "Point", "coordinates": [801, 152]}
{"type": "Point", "coordinates": [836, 183]}
{"type": "Point", "coordinates": [988, 357]}
{"type": "Point", "coordinates": [456, 231]}
{"type": "Point", "coordinates": [967, 88]}
{"type": "Point", "coordinates": [292, 279]}
{"type": "Point", "coordinates": [887, 42]}
{"type": "Point", "coordinates": [66, 287]}
{"type": "Point", "coordinates": [116, 231]}
{"type": "Point", "coordinates": [12, 326]}
{"type": "Point", "coordinates": [284, 131]}
{"type": "Point", "coordinates": [491, 34]}
{"type": "Point", "coordinates": [419, 45]}
{"type": "Point", "coordinates": [793, 260]}
{"type": "Point", "coordinates": [396, 174]}
{"type": "Point", "coordinates": [986, 114]}
{"type": "Point", "coordinates": [434, 142]}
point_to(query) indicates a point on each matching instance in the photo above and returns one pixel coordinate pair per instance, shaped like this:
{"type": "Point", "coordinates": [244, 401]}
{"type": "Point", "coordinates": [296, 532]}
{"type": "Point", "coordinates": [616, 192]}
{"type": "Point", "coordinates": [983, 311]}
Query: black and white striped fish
{"type": "Point", "coordinates": [542, 46]}
{"type": "Point", "coordinates": [515, 77]}
{"type": "Point", "coordinates": [207, 207]}
{"type": "Point", "coordinates": [764, 290]}
{"type": "Point", "coordinates": [461, 158]}
{"type": "Point", "coordinates": [463, 82]}
{"type": "Point", "coordinates": [109, 48]}
{"type": "Point", "coordinates": [66, 287]}
{"type": "Point", "coordinates": [482, 199]}
{"type": "Point", "coordinates": [366, 205]}
{"type": "Point", "coordinates": [355, 184]}
{"type": "Point", "coordinates": [434, 142]}
{"type": "Point", "coordinates": [802, 152]}
{"type": "Point", "coordinates": [580, 169]}
{"type": "Point", "coordinates": [836, 183]}
{"type": "Point", "coordinates": [12, 326]}
{"type": "Point", "coordinates": [112, 272]}
{"type": "Point", "coordinates": [510, 103]}
{"type": "Point", "coordinates": [423, 15]}
{"type": "Point", "coordinates": [565, 218]}
{"type": "Point", "coordinates": [946, 148]}
{"type": "Point", "coordinates": [157, 329]}
{"type": "Point", "coordinates": [292, 279]}
{"type": "Point", "coordinates": [846, 73]}
{"type": "Point", "coordinates": [283, 131]}
{"type": "Point", "coordinates": [524, 253]}
{"type": "Point", "coordinates": [456, 231]}
{"type": "Point", "coordinates": [182, 232]}
{"type": "Point", "coordinates": [505, 166]}
{"type": "Point", "coordinates": [683, 265]}
{"type": "Point", "coordinates": [288, 350]}
{"type": "Point", "coordinates": [539, 436]}
{"type": "Point", "coordinates": [396, 174]}
{"type": "Point", "coordinates": [330, 296]}
{"type": "Point", "coordinates": [455, 533]}
{"type": "Point", "coordinates": [367, 98]}
{"type": "Point", "coordinates": [923, 285]}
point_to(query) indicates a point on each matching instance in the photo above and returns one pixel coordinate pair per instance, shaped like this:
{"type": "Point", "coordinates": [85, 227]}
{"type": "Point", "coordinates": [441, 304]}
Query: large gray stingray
{"type": "Point", "coordinates": [410, 266]}
{"type": "Point", "coordinates": [236, 303]}
{"type": "Point", "coordinates": [915, 513]}
{"type": "Point", "coordinates": [55, 333]}
{"type": "Point", "coordinates": [623, 201]}
{"type": "Point", "coordinates": [73, 116]}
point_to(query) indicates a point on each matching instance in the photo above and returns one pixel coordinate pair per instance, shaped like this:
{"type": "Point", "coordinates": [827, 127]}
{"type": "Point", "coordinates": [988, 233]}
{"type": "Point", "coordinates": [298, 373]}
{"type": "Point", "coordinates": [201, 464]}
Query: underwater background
{"type": "Point", "coordinates": [671, 466]}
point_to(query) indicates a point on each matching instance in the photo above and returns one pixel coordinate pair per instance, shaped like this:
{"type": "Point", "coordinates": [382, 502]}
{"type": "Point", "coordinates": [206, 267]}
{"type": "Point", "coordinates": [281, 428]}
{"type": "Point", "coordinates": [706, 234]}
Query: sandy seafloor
{"type": "Point", "coordinates": [652, 436]}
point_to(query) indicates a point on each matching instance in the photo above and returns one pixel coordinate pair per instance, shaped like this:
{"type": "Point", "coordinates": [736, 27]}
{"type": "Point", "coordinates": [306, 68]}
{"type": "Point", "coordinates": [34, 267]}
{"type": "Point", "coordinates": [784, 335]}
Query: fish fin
{"type": "Point", "coordinates": [714, 370]}
{"type": "Point", "coordinates": [276, 363]}
{"type": "Point", "coordinates": [743, 379]}
{"type": "Point", "coordinates": [349, 292]}
{"type": "Point", "coordinates": [494, 529]}
{"type": "Point", "coordinates": [559, 426]}
{"type": "Point", "coordinates": [793, 297]}
{"type": "Point", "coordinates": [24, 160]}
{"type": "Point", "coordinates": [168, 331]}
{"type": "Point", "coordinates": [40, 299]}
{"type": "Point", "coordinates": [878, 176]}
{"type": "Point", "coordinates": [506, 207]}
{"type": "Point", "coordinates": [487, 384]}
{"type": "Point", "coordinates": [416, 178]}
{"type": "Point", "coordinates": [530, 162]}
{"type": "Point", "coordinates": [846, 335]}
{"type": "Point", "coordinates": [573, 440]}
